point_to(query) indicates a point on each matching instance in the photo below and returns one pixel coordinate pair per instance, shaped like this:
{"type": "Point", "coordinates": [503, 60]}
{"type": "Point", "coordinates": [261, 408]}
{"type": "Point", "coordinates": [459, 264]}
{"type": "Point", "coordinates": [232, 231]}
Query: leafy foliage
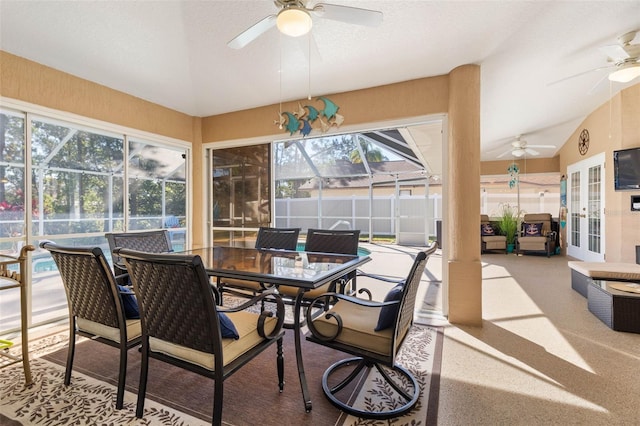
{"type": "Point", "coordinates": [509, 217]}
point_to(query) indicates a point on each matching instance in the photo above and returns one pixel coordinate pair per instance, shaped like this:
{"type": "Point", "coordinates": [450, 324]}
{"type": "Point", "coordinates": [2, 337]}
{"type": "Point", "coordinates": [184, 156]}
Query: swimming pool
{"type": "Point", "coordinates": [361, 250]}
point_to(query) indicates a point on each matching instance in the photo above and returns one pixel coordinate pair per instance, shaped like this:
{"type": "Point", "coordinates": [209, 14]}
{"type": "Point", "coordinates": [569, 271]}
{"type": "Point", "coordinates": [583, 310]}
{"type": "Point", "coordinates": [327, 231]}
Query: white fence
{"type": "Point", "coordinates": [408, 219]}
{"type": "Point", "coordinates": [402, 218]}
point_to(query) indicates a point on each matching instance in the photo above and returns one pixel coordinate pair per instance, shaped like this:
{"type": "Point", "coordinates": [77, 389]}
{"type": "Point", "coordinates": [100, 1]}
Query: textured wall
{"type": "Point", "coordinates": [615, 125]}
{"type": "Point", "coordinates": [41, 85]}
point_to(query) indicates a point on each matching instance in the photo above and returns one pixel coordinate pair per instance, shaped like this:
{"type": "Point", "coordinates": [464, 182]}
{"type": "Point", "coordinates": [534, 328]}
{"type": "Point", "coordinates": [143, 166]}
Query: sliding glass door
{"type": "Point", "coordinates": [240, 193]}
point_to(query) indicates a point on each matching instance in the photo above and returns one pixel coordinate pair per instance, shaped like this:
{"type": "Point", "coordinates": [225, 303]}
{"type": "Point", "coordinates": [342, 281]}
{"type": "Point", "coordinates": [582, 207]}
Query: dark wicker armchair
{"type": "Point", "coordinates": [95, 305]}
{"type": "Point", "coordinates": [268, 239]}
{"type": "Point", "coordinates": [183, 326]}
{"type": "Point", "coordinates": [373, 332]}
{"type": "Point", "coordinates": [149, 241]}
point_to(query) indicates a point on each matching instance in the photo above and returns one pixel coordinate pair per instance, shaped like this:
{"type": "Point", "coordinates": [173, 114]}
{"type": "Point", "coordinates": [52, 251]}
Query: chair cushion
{"type": "Point", "coordinates": [246, 324]}
{"type": "Point", "coordinates": [251, 286]}
{"type": "Point", "coordinates": [532, 243]}
{"type": "Point", "coordinates": [533, 229]}
{"type": "Point", "coordinates": [112, 333]}
{"type": "Point", "coordinates": [292, 292]}
{"type": "Point", "coordinates": [607, 270]}
{"type": "Point", "coordinates": [388, 313]}
{"type": "Point", "coordinates": [357, 328]}
{"type": "Point", "coordinates": [227, 329]}
{"type": "Point", "coordinates": [487, 229]}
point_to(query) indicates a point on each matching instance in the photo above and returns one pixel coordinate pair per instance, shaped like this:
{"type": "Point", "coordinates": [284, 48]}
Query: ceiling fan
{"type": "Point", "coordinates": [519, 147]}
{"type": "Point", "coordinates": [295, 19]}
{"type": "Point", "coordinates": [624, 57]}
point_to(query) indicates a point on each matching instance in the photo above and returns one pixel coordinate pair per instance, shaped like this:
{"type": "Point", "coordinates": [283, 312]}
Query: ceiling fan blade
{"type": "Point", "coordinates": [504, 153]}
{"type": "Point", "coordinates": [542, 146]}
{"type": "Point", "coordinates": [351, 15]}
{"type": "Point", "coordinates": [580, 74]}
{"type": "Point", "coordinates": [597, 85]}
{"type": "Point", "coordinates": [614, 51]}
{"type": "Point", "coordinates": [253, 32]}
{"type": "Point", "coordinates": [531, 151]}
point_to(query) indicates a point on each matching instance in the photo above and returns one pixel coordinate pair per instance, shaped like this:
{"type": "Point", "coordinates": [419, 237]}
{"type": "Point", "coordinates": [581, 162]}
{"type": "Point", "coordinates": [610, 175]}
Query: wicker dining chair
{"type": "Point", "coordinates": [183, 326]}
{"type": "Point", "coordinates": [95, 305]}
{"type": "Point", "coordinates": [373, 332]}
{"type": "Point", "coordinates": [334, 242]}
{"type": "Point", "coordinates": [149, 241]}
{"type": "Point", "coordinates": [268, 239]}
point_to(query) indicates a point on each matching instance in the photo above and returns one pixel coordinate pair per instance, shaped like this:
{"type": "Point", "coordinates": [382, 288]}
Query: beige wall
{"type": "Point", "coordinates": [34, 83]}
{"type": "Point", "coordinates": [31, 82]}
{"type": "Point", "coordinates": [615, 125]}
{"type": "Point", "coordinates": [408, 99]}
{"type": "Point", "coordinates": [530, 165]}
{"type": "Point", "coordinates": [456, 95]}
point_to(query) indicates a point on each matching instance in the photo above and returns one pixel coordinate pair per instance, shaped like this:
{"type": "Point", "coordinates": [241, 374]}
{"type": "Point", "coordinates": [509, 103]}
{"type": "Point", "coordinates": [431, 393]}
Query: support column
{"type": "Point", "coordinates": [464, 267]}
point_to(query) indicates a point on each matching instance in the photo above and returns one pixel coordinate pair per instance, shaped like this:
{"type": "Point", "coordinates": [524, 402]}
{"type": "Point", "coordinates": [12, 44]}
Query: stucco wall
{"type": "Point", "coordinates": [404, 100]}
{"type": "Point", "coordinates": [31, 82]}
{"type": "Point", "coordinates": [614, 125]}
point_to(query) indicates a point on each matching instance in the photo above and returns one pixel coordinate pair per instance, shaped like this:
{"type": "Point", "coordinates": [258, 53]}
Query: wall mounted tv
{"type": "Point", "coordinates": [626, 169]}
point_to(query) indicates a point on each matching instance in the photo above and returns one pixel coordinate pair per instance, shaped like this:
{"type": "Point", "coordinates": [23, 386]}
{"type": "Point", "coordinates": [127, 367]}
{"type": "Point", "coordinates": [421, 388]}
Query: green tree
{"type": "Point", "coordinates": [373, 155]}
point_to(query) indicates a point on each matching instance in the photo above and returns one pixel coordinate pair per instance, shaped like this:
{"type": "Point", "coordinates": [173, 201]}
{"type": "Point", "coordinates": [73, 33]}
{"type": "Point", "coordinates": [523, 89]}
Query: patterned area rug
{"type": "Point", "coordinates": [89, 401]}
{"type": "Point", "coordinates": [420, 354]}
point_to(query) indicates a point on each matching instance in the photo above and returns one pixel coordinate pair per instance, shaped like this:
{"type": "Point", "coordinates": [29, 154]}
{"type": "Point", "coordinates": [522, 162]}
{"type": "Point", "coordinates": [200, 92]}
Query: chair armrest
{"type": "Point", "coordinates": [269, 295]}
{"type": "Point", "coordinates": [360, 273]}
{"type": "Point", "coordinates": [336, 317]}
{"type": "Point", "coordinates": [121, 276]}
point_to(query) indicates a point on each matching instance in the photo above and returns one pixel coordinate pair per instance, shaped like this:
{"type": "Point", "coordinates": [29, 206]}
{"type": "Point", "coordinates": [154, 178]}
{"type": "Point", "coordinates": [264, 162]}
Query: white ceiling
{"type": "Point", "coordinates": [174, 53]}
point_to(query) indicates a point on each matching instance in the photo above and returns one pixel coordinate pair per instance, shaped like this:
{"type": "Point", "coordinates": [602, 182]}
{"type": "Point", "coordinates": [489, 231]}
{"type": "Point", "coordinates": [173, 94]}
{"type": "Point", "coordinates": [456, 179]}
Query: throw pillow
{"type": "Point", "coordinates": [533, 229]}
{"type": "Point", "coordinates": [129, 303]}
{"type": "Point", "coordinates": [486, 229]}
{"type": "Point", "coordinates": [388, 313]}
{"type": "Point", "coordinates": [227, 329]}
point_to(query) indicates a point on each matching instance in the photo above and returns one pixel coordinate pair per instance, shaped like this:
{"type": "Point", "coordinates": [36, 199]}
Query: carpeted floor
{"type": "Point", "coordinates": [178, 397]}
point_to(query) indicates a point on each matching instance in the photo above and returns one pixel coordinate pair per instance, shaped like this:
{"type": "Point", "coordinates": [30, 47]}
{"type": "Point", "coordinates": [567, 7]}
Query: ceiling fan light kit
{"type": "Point", "coordinates": [294, 21]}
{"type": "Point", "coordinates": [625, 74]}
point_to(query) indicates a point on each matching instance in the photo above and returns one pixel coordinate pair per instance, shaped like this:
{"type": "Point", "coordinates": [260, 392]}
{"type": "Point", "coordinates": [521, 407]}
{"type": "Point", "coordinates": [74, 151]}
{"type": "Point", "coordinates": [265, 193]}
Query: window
{"type": "Point", "coordinates": [76, 180]}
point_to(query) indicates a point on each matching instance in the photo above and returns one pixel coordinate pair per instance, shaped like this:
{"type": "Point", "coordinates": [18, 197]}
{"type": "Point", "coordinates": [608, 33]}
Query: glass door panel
{"type": "Point", "coordinates": [241, 193]}
{"type": "Point", "coordinates": [586, 210]}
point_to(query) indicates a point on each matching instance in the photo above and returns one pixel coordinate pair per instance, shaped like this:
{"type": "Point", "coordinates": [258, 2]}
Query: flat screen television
{"type": "Point", "coordinates": [626, 169]}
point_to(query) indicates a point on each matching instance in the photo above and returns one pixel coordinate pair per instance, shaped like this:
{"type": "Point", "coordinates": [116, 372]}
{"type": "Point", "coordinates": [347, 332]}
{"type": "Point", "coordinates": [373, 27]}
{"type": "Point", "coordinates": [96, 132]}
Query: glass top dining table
{"type": "Point", "coordinates": [304, 270]}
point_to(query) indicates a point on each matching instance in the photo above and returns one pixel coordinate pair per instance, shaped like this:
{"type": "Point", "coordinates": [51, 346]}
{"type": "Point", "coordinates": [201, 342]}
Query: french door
{"type": "Point", "coordinates": [585, 204]}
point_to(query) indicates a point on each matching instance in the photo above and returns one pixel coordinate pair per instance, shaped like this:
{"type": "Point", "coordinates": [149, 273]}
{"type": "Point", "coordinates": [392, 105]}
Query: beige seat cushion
{"type": "Point", "coordinates": [242, 284]}
{"type": "Point", "coordinates": [112, 333]}
{"type": "Point", "coordinates": [246, 324]}
{"type": "Point", "coordinates": [286, 290]}
{"type": "Point", "coordinates": [607, 270]}
{"type": "Point", "coordinates": [359, 323]}
{"type": "Point", "coordinates": [532, 243]}
{"type": "Point", "coordinates": [494, 242]}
